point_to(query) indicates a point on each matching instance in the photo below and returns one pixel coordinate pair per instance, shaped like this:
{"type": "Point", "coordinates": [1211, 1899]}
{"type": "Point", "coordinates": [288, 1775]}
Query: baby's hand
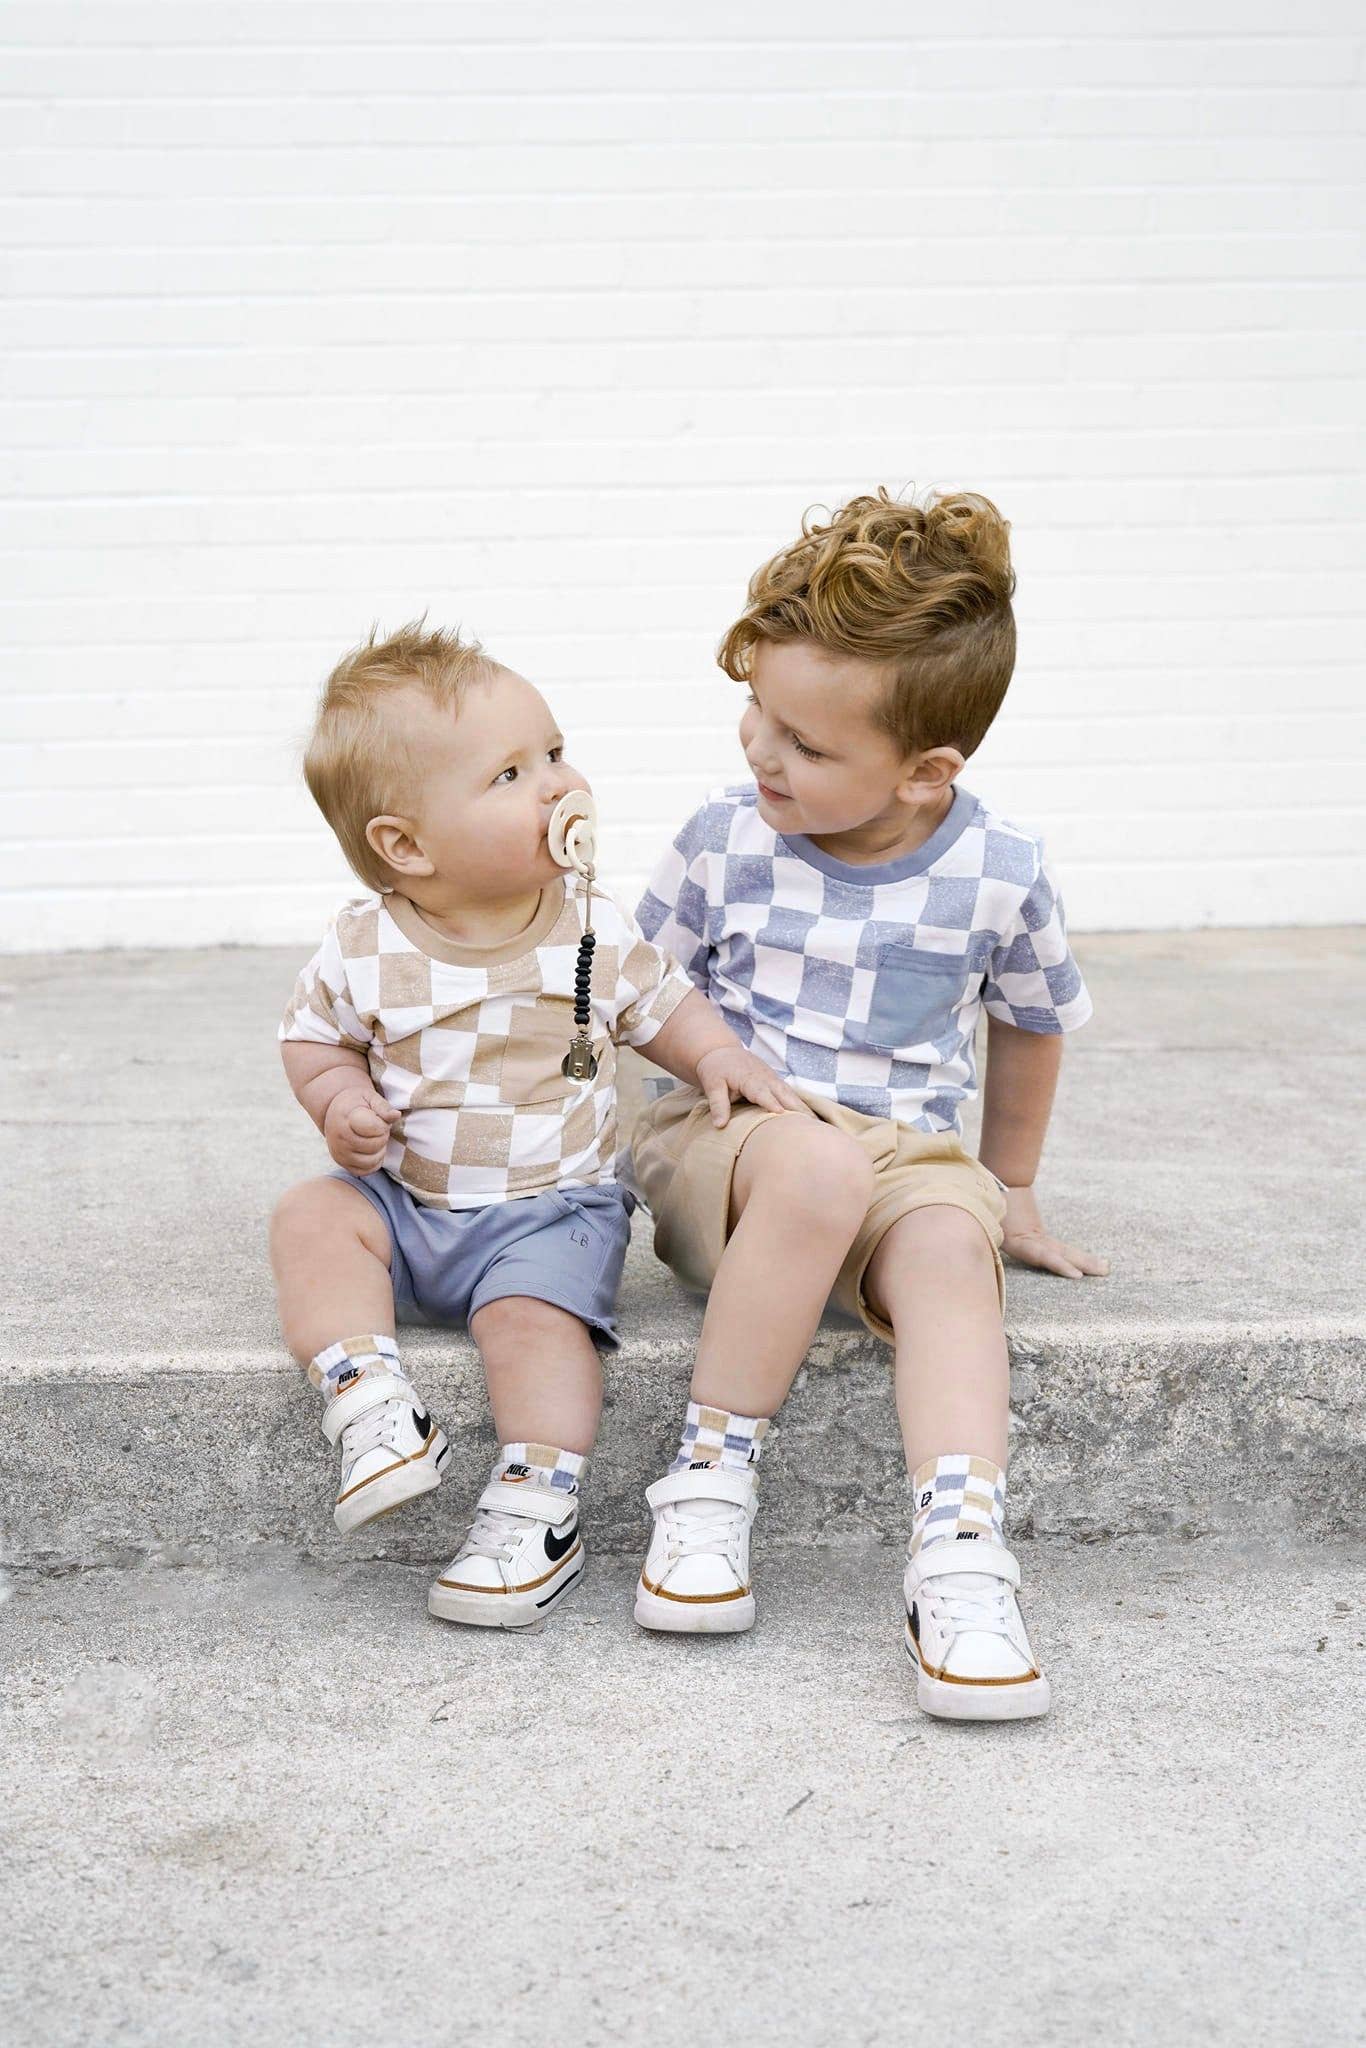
{"type": "Point", "coordinates": [356, 1127]}
{"type": "Point", "coordinates": [729, 1074]}
{"type": "Point", "coordinates": [1027, 1240]}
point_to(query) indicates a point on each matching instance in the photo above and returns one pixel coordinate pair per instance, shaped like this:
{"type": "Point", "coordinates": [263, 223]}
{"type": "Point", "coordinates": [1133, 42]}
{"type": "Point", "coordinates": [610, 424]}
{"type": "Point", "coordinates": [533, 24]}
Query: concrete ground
{"type": "Point", "coordinates": [1207, 1137]}
{"type": "Point", "coordinates": [279, 1805]}
{"type": "Point", "coordinates": [253, 1794]}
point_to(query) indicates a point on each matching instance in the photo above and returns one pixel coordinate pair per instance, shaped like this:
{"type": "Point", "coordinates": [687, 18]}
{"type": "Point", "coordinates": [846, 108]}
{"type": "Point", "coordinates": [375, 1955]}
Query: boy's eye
{"type": "Point", "coordinates": [556, 753]}
{"type": "Point", "coordinates": [508, 775]}
{"type": "Point", "coordinates": [808, 753]}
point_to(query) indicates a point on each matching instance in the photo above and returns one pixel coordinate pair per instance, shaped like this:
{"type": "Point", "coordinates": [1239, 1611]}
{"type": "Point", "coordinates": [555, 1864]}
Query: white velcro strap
{"type": "Point", "coordinates": [537, 1503]}
{"type": "Point", "coordinates": [369, 1392]}
{"type": "Point", "coordinates": [714, 1482]}
{"type": "Point", "coordinates": [976, 1554]}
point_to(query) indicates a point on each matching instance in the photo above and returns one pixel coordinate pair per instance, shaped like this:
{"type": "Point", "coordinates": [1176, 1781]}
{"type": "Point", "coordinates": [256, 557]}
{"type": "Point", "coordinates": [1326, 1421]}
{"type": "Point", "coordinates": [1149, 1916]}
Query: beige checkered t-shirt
{"type": "Point", "coordinates": [468, 1041]}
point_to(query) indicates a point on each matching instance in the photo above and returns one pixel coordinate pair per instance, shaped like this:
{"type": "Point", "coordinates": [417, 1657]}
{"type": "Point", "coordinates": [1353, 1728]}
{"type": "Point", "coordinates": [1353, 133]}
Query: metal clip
{"type": "Point", "coordinates": [578, 1063]}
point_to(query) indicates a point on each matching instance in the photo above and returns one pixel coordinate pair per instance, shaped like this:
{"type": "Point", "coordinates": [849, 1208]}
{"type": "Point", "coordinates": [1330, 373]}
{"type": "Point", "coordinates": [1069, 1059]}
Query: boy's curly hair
{"type": "Point", "coordinates": [922, 590]}
{"type": "Point", "coordinates": [358, 764]}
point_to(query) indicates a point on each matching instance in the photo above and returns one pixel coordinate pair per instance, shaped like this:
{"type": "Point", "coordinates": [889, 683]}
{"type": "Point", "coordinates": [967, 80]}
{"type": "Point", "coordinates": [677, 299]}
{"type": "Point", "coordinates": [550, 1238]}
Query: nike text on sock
{"type": "Point", "coordinates": [958, 1497]}
{"type": "Point", "coordinates": [540, 1465]}
{"type": "Point", "coordinates": [348, 1360]}
{"type": "Point", "coordinates": [713, 1436]}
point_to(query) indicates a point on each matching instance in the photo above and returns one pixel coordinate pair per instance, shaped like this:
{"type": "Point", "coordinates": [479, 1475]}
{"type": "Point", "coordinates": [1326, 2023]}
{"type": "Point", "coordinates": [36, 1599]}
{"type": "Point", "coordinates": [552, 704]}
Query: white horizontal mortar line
{"type": "Point", "coordinates": [1295, 1329]}
{"type": "Point", "coordinates": [263, 1363]}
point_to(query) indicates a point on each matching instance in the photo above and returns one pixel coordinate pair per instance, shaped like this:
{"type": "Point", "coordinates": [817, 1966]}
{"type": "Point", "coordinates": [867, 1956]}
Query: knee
{"type": "Point", "coordinates": [517, 1321]}
{"type": "Point", "coordinates": [812, 1171]}
{"type": "Point", "coordinates": [937, 1248]}
{"type": "Point", "coordinates": [316, 1211]}
{"type": "Point", "coordinates": [945, 1239]}
{"type": "Point", "coordinates": [297, 1214]}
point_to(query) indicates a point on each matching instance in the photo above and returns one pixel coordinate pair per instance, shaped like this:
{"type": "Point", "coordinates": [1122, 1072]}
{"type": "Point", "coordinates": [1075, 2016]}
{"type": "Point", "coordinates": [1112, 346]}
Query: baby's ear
{"type": "Point", "coordinates": [392, 839]}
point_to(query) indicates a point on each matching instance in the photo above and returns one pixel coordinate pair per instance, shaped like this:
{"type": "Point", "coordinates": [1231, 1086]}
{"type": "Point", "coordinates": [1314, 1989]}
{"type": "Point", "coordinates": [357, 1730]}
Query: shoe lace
{"type": "Point", "coordinates": [495, 1533]}
{"type": "Point", "coordinates": [972, 1600]}
{"type": "Point", "coordinates": [378, 1428]}
{"type": "Point", "coordinates": [701, 1528]}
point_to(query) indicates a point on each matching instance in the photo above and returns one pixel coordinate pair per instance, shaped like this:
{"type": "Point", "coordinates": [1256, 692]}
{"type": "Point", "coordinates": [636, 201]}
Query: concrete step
{"type": "Point", "coordinates": [214, 1777]}
{"type": "Point", "coordinates": [202, 1455]}
{"type": "Point", "coordinates": [146, 1408]}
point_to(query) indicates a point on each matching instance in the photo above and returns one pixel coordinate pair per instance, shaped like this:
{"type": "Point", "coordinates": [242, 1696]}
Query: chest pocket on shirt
{"type": "Point", "coordinates": [914, 995]}
{"type": "Point", "coordinates": [529, 1062]}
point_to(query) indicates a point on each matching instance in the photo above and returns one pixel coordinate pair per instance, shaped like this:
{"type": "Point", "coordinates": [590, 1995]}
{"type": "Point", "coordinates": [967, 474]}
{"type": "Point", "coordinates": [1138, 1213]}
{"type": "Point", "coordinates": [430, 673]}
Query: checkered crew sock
{"type": "Point", "coordinates": [540, 1465]}
{"type": "Point", "coordinates": [713, 1436]}
{"type": "Point", "coordinates": [348, 1360]}
{"type": "Point", "coordinates": [959, 1497]}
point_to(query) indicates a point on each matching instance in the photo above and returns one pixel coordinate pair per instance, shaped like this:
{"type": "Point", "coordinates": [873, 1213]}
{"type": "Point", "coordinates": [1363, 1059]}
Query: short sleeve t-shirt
{"type": "Point", "coordinates": [865, 983]}
{"type": "Point", "coordinates": [468, 1041]}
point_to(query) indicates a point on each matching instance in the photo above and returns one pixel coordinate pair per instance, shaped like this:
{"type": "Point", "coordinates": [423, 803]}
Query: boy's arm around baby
{"type": "Point", "coordinates": [694, 1045]}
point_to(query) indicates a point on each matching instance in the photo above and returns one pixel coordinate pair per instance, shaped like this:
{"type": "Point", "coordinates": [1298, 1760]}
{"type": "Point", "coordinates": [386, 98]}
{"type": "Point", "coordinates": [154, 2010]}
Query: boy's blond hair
{"type": "Point", "coordinates": [358, 763]}
{"type": "Point", "coordinates": [923, 591]}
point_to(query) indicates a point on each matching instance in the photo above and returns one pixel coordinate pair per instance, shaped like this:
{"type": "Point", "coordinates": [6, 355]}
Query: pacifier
{"type": "Point", "coordinates": [573, 832]}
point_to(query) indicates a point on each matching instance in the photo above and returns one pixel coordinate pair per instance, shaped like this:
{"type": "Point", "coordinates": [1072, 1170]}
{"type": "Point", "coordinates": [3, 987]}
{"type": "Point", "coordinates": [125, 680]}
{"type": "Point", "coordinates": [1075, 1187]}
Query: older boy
{"type": "Point", "coordinates": [849, 913]}
{"type": "Point", "coordinates": [427, 1040]}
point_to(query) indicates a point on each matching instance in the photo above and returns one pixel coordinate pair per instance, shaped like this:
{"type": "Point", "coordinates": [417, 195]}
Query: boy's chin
{"type": "Point", "coordinates": [783, 817]}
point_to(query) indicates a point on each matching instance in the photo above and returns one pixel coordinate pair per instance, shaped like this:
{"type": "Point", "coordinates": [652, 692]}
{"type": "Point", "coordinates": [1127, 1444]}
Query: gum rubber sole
{"type": "Point", "coordinates": [501, 1610]}
{"type": "Point", "coordinates": [693, 1617]}
{"type": "Point", "coordinates": [384, 1496]}
{"type": "Point", "coordinates": [948, 1701]}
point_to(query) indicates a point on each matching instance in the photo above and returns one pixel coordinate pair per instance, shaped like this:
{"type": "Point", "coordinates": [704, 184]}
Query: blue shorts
{"type": "Point", "coordinates": [566, 1247]}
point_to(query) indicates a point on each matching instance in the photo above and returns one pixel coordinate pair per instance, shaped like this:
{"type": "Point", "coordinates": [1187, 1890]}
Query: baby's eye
{"type": "Point", "coordinates": [807, 753]}
{"type": "Point", "coordinates": [556, 753]}
{"type": "Point", "coordinates": [508, 775]}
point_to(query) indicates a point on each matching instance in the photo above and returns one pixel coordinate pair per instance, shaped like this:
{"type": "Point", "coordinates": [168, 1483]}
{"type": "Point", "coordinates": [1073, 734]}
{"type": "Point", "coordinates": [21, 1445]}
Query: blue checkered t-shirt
{"type": "Point", "coordinates": [865, 983]}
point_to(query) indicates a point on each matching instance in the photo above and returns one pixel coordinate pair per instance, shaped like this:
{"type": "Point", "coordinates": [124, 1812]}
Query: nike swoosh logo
{"type": "Point", "coordinates": [556, 1546]}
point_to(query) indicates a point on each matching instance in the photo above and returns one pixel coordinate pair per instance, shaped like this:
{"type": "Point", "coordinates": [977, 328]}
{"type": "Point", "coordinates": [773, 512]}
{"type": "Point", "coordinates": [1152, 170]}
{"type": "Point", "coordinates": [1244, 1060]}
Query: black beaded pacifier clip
{"type": "Point", "coordinates": [578, 1063]}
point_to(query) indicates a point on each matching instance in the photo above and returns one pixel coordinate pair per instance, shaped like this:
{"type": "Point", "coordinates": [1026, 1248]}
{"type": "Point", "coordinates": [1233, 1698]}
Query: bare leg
{"type": "Point", "coordinates": [330, 1251]}
{"type": "Point", "coordinates": [544, 1379]}
{"type": "Point", "coordinates": [934, 1280]}
{"type": "Point", "coordinates": [799, 1194]}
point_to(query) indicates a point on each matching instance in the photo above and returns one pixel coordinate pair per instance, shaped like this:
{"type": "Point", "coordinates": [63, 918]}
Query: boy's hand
{"type": "Point", "coordinates": [729, 1074]}
{"type": "Point", "coordinates": [1027, 1240]}
{"type": "Point", "coordinates": [357, 1127]}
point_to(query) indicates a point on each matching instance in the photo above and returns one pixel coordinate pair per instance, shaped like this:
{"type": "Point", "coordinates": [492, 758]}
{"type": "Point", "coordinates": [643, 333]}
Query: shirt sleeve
{"type": "Point", "coordinates": [650, 984]}
{"type": "Point", "coordinates": [673, 910]}
{"type": "Point", "coordinates": [321, 1010]}
{"type": "Point", "coordinates": [1032, 980]}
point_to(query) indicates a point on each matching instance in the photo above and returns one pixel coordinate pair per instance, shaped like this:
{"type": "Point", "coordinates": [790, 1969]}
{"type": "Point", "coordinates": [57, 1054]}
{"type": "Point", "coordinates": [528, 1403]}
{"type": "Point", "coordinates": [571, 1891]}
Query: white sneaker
{"type": "Point", "coordinates": [523, 1552]}
{"type": "Point", "coordinates": [696, 1575]}
{"type": "Point", "coordinates": [966, 1636]}
{"type": "Point", "coordinates": [391, 1449]}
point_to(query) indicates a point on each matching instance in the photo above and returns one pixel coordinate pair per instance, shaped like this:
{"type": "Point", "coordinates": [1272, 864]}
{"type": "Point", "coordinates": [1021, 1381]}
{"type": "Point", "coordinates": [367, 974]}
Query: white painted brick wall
{"type": "Point", "coordinates": [552, 318]}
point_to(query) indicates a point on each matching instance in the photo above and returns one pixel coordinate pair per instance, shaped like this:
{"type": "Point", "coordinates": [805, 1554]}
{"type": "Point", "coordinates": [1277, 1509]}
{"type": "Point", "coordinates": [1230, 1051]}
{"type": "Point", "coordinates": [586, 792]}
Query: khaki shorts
{"type": "Point", "coordinates": [683, 1166]}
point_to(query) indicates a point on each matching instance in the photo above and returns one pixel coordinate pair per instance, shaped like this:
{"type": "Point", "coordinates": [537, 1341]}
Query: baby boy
{"type": "Point", "coordinates": [428, 1040]}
